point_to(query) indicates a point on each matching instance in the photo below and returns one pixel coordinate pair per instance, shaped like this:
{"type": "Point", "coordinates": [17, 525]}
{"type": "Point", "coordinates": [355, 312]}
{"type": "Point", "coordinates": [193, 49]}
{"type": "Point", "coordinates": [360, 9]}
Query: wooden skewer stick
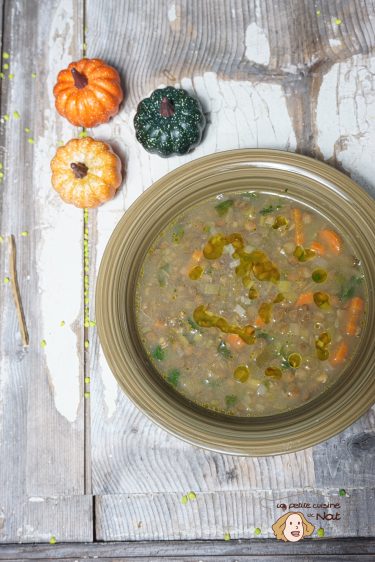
{"type": "Point", "coordinates": [16, 291]}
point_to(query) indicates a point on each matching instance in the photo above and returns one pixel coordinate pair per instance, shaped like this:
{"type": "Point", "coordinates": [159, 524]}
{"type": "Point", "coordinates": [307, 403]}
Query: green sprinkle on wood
{"type": "Point", "coordinates": [52, 540]}
{"type": "Point", "coordinates": [86, 394]}
{"type": "Point", "coordinates": [1, 174]}
{"type": "Point", "coordinates": [10, 76]}
{"type": "Point", "coordinates": [86, 324]}
{"type": "Point", "coordinates": [62, 323]}
{"type": "Point", "coordinates": [16, 115]}
{"type": "Point", "coordinates": [43, 344]}
{"type": "Point", "coordinates": [6, 117]}
{"type": "Point", "coordinates": [1, 239]}
{"type": "Point", "coordinates": [87, 380]}
{"type": "Point", "coordinates": [24, 233]}
{"type": "Point", "coordinates": [30, 140]}
{"type": "Point", "coordinates": [338, 21]}
{"type": "Point", "coordinates": [33, 75]}
{"type": "Point", "coordinates": [2, 75]}
{"type": "Point", "coordinates": [27, 130]}
{"type": "Point", "coordinates": [6, 55]}
{"type": "Point", "coordinates": [82, 134]}
{"type": "Point", "coordinates": [318, 12]}
{"type": "Point", "coordinates": [87, 343]}
{"type": "Point", "coordinates": [192, 496]}
{"type": "Point", "coordinates": [92, 323]}
{"type": "Point", "coordinates": [227, 536]}
{"type": "Point", "coordinates": [6, 66]}
{"type": "Point", "coordinates": [342, 492]}
{"type": "Point", "coordinates": [320, 532]}
{"type": "Point", "coordinates": [6, 280]}
{"type": "Point", "coordinates": [257, 531]}
{"type": "Point", "coordinates": [184, 500]}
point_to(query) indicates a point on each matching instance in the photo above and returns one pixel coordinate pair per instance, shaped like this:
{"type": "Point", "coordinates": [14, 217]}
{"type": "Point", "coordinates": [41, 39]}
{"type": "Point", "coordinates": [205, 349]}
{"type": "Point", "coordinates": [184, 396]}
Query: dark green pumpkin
{"type": "Point", "coordinates": [169, 122]}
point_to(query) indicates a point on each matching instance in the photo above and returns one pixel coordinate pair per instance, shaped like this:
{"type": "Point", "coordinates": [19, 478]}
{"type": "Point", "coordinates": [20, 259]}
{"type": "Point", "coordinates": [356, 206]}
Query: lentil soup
{"type": "Point", "coordinates": [250, 304]}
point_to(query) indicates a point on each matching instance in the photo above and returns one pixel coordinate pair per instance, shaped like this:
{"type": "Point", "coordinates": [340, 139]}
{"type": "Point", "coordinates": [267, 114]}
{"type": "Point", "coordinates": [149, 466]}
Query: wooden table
{"type": "Point", "coordinates": [78, 461]}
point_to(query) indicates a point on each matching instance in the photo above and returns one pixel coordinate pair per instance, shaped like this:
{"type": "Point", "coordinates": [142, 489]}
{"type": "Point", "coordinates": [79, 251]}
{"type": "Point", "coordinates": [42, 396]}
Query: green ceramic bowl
{"type": "Point", "coordinates": [350, 208]}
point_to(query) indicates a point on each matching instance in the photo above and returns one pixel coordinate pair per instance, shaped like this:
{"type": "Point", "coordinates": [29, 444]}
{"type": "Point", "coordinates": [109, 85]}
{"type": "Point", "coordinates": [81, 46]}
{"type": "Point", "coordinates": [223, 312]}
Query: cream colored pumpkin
{"type": "Point", "coordinates": [86, 172]}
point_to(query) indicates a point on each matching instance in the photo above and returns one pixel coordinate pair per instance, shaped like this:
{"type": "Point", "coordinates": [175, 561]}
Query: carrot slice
{"type": "Point", "coordinates": [332, 240]}
{"type": "Point", "coordinates": [197, 255]}
{"type": "Point", "coordinates": [318, 248]}
{"type": "Point", "coordinates": [298, 232]}
{"type": "Point", "coordinates": [305, 298]}
{"type": "Point", "coordinates": [235, 341]}
{"type": "Point", "coordinates": [340, 354]}
{"type": "Point", "coordinates": [355, 310]}
{"type": "Point", "coordinates": [259, 322]}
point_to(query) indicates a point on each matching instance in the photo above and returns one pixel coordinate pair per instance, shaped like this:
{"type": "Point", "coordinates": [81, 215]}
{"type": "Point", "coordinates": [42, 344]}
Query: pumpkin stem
{"type": "Point", "coordinates": [166, 107]}
{"type": "Point", "coordinates": [79, 170]}
{"type": "Point", "coordinates": [80, 80]}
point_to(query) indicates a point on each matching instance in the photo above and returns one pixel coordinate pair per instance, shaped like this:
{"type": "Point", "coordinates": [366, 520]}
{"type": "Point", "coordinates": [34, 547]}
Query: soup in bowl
{"type": "Point", "coordinates": [235, 302]}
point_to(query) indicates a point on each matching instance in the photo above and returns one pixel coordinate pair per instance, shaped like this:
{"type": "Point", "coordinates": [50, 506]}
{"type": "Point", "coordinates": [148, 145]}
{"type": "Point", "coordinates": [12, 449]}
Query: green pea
{"type": "Point", "coordinates": [319, 275]}
{"type": "Point", "coordinates": [241, 373]}
{"type": "Point", "coordinates": [295, 360]}
{"type": "Point", "coordinates": [321, 300]}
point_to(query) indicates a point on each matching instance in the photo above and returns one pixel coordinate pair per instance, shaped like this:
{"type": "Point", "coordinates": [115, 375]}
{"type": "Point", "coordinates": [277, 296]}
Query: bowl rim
{"type": "Point", "coordinates": [173, 416]}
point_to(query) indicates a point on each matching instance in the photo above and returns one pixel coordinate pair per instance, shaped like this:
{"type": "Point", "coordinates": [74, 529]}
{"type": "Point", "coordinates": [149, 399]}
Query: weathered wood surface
{"type": "Point", "coordinates": [213, 514]}
{"type": "Point", "coordinates": [269, 74]}
{"type": "Point", "coordinates": [41, 388]}
{"type": "Point", "coordinates": [193, 551]}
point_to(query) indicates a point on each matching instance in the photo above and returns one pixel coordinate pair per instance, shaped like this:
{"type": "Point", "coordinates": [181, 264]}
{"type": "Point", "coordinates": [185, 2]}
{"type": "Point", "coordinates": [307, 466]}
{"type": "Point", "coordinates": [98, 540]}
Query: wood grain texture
{"type": "Point", "coordinates": [255, 549]}
{"type": "Point", "coordinates": [41, 388]}
{"type": "Point", "coordinates": [212, 514]}
{"type": "Point", "coordinates": [274, 76]}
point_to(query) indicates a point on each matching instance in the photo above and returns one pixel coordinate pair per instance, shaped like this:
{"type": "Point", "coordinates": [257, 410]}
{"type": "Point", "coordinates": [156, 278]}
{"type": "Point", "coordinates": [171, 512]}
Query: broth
{"type": "Point", "coordinates": [250, 304]}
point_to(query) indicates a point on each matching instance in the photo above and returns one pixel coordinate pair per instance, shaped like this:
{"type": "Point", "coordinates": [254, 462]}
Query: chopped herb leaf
{"type": "Point", "coordinates": [223, 207]}
{"type": "Point", "coordinates": [194, 325]}
{"type": "Point", "coordinates": [178, 234]}
{"type": "Point", "coordinates": [224, 351]}
{"type": "Point", "coordinates": [263, 335]}
{"type": "Point", "coordinates": [230, 400]}
{"type": "Point", "coordinates": [342, 492]}
{"type": "Point", "coordinates": [173, 377]}
{"type": "Point", "coordinates": [348, 289]}
{"type": "Point", "coordinates": [269, 209]}
{"type": "Point", "coordinates": [158, 353]}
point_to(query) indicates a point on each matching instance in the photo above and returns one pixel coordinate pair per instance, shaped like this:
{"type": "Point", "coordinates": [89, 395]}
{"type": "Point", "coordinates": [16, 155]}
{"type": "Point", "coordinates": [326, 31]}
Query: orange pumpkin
{"type": "Point", "coordinates": [88, 92]}
{"type": "Point", "coordinates": [86, 172]}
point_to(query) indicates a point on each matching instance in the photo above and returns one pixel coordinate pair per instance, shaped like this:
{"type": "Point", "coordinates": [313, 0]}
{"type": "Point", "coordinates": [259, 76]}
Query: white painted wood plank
{"type": "Point", "coordinates": [239, 513]}
{"type": "Point", "coordinates": [41, 389]}
{"type": "Point", "coordinates": [38, 519]}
